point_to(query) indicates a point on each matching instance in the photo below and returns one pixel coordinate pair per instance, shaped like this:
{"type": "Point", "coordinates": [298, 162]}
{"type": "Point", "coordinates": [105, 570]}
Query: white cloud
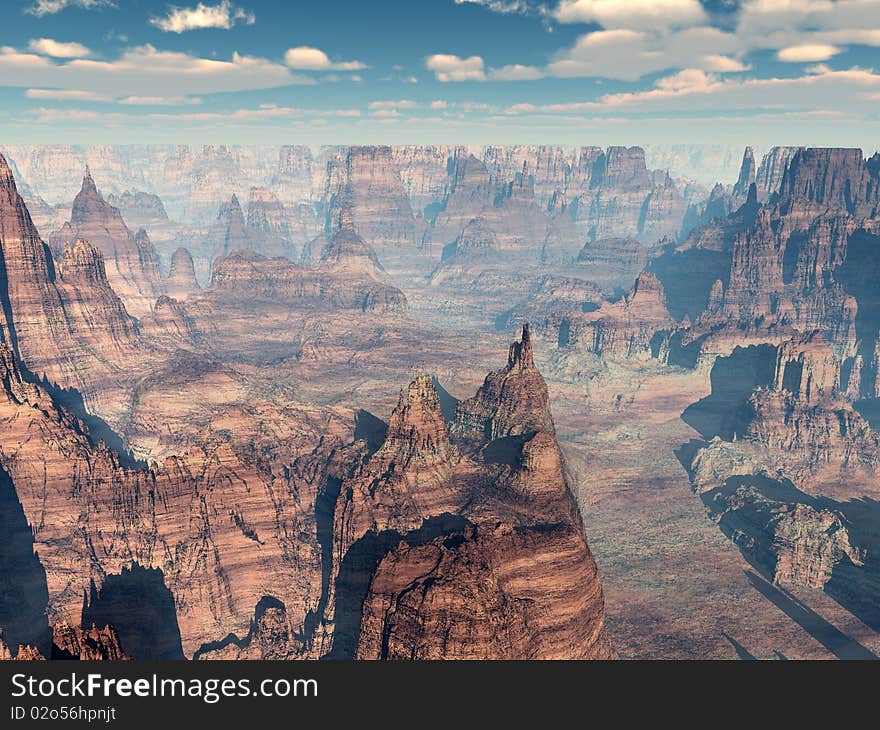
{"type": "Point", "coordinates": [636, 14]}
{"type": "Point", "coordinates": [307, 58]}
{"type": "Point", "coordinates": [50, 7]}
{"type": "Point", "coordinates": [65, 95]}
{"type": "Point", "coordinates": [807, 53]}
{"type": "Point", "coordinates": [778, 24]}
{"type": "Point", "coordinates": [222, 16]}
{"type": "Point", "coordinates": [630, 54]}
{"type": "Point", "coordinates": [57, 49]}
{"type": "Point", "coordinates": [447, 67]}
{"type": "Point", "coordinates": [438, 104]}
{"type": "Point", "coordinates": [392, 104]}
{"type": "Point", "coordinates": [723, 64]}
{"type": "Point", "coordinates": [516, 72]}
{"type": "Point", "coordinates": [641, 37]}
{"type": "Point", "coordinates": [263, 113]}
{"type": "Point", "coordinates": [505, 7]}
{"type": "Point", "coordinates": [159, 100]}
{"type": "Point", "coordinates": [151, 71]}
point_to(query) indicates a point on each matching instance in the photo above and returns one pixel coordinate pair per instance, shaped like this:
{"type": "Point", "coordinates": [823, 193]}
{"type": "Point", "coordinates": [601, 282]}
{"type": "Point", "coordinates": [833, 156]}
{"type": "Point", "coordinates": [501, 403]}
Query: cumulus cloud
{"type": "Point", "coordinates": [641, 37]}
{"type": "Point", "coordinates": [222, 16]}
{"type": "Point", "coordinates": [807, 53]}
{"type": "Point", "coordinates": [448, 67]}
{"type": "Point", "coordinates": [50, 7]}
{"type": "Point", "coordinates": [307, 58]}
{"type": "Point", "coordinates": [56, 49]}
{"type": "Point", "coordinates": [630, 54]}
{"type": "Point", "coordinates": [638, 14]}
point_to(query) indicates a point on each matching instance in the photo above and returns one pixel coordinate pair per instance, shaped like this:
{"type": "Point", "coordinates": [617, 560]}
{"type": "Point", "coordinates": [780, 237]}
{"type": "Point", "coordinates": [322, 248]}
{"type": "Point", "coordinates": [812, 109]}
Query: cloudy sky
{"type": "Point", "coordinates": [462, 71]}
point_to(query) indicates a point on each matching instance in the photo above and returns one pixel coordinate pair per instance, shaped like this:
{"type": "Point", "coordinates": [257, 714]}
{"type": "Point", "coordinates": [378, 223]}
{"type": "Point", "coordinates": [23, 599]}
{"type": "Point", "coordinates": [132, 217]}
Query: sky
{"type": "Point", "coordinates": [566, 72]}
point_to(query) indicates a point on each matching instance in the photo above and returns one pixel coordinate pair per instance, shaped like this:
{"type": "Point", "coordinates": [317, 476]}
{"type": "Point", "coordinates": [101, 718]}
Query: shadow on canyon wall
{"type": "Point", "coordinates": [138, 604]}
{"type": "Point", "coordinates": [358, 566]}
{"type": "Point", "coordinates": [23, 590]}
{"type": "Point", "coordinates": [733, 379]}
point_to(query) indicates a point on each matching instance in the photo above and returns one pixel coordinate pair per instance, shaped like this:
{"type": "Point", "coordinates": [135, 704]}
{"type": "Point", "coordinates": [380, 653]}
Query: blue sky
{"type": "Point", "coordinates": [441, 71]}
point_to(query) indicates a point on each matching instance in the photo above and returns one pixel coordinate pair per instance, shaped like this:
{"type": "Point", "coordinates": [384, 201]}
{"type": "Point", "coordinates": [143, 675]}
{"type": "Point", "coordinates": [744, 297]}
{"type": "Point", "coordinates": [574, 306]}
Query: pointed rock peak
{"type": "Point", "coordinates": [747, 172]}
{"type": "Point", "coordinates": [141, 236]}
{"type": "Point", "coordinates": [88, 183]}
{"type": "Point", "coordinates": [520, 353]}
{"type": "Point", "coordinates": [182, 276]}
{"type": "Point", "coordinates": [417, 425]}
{"type": "Point", "coordinates": [420, 393]}
{"type": "Point", "coordinates": [752, 199]}
{"type": "Point", "coordinates": [88, 202]}
{"type": "Point", "coordinates": [347, 250]}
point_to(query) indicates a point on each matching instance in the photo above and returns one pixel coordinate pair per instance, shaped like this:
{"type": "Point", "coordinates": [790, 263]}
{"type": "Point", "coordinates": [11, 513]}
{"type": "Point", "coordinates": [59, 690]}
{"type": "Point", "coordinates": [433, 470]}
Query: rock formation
{"type": "Point", "coordinates": [795, 544]}
{"type": "Point", "coordinates": [131, 261]}
{"type": "Point", "coordinates": [512, 401]}
{"type": "Point", "coordinates": [627, 328]}
{"type": "Point", "coordinates": [370, 187]}
{"type": "Point", "coordinates": [62, 320]}
{"type": "Point", "coordinates": [246, 277]}
{"type": "Point", "coordinates": [181, 281]}
{"type": "Point", "coordinates": [139, 208]}
{"type": "Point", "coordinates": [88, 645]}
{"type": "Point", "coordinates": [470, 548]}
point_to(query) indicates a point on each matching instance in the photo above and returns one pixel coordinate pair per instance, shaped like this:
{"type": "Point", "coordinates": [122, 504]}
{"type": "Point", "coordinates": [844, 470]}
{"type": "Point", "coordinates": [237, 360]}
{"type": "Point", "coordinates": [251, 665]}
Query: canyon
{"type": "Point", "coordinates": [246, 411]}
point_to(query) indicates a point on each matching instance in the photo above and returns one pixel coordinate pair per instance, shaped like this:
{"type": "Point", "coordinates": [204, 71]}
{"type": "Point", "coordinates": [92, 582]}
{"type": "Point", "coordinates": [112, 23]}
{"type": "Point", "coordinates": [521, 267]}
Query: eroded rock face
{"type": "Point", "coordinates": [772, 169]}
{"type": "Point", "coordinates": [468, 547]}
{"type": "Point", "coordinates": [286, 227]}
{"type": "Point", "coordinates": [246, 276]}
{"type": "Point", "coordinates": [512, 401]}
{"type": "Point", "coordinates": [62, 320]}
{"type": "Point", "coordinates": [628, 328]}
{"type": "Point", "coordinates": [181, 282]}
{"type": "Point", "coordinates": [613, 262]}
{"type": "Point", "coordinates": [131, 261]}
{"type": "Point", "coordinates": [370, 186]}
{"type": "Point", "coordinates": [138, 207]}
{"type": "Point", "coordinates": [87, 645]}
{"type": "Point", "coordinates": [796, 544]}
{"type": "Point", "coordinates": [206, 524]}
